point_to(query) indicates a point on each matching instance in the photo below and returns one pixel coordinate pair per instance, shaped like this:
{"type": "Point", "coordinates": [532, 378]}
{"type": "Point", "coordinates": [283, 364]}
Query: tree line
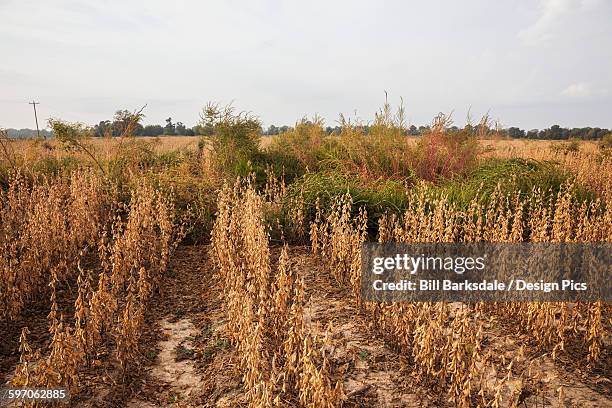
{"type": "Point", "coordinates": [123, 118]}
{"type": "Point", "coordinates": [555, 132]}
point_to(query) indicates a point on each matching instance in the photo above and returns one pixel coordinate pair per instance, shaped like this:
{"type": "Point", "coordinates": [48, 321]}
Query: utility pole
{"type": "Point", "coordinates": [33, 103]}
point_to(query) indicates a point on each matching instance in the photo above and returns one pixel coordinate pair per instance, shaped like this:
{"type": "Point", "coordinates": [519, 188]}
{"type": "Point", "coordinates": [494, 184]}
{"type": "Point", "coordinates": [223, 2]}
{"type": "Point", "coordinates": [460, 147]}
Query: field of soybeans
{"type": "Point", "coordinates": [225, 270]}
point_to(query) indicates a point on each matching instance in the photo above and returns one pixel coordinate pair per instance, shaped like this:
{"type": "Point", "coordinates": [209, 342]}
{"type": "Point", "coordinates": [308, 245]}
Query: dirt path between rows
{"type": "Point", "coordinates": [195, 365]}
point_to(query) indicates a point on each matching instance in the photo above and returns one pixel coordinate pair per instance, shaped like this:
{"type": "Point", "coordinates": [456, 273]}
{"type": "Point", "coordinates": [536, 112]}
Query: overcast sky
{"type": "Point", "coordinates": [530, 63]}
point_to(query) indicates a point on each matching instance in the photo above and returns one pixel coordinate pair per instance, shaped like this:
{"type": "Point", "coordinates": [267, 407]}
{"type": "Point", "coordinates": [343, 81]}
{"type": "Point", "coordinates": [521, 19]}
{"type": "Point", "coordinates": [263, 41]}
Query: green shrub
{"type": "Point", "coordinates": [169, 159]}
{"type": "Point", "coordinates": [377, 197]}
{"type": "Point", "coordinates": [52, 166]}
{"type": "Point", "coordinates": [282, 163]}
{"type": "Point", "coordinates": [234, 140]}
{"type": "Point", "coordinates": [382, 152]}
{"type": "Point", "coordinates": [512, 175]}
{"type": "Point", "coordinates": [297, 149]}
{"type": "Point", "coordinates": [131, 155]}
{"type": "Point", "coordinates": [371, 155]}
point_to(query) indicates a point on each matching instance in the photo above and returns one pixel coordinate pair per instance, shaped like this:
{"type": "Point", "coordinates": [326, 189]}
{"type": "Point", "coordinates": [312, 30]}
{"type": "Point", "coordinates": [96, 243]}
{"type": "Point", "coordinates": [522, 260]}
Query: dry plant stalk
{"type": "Point", "coordinates": [281, 359]}
{"type": "Point", "coordinates": [132, 260]}
{"type": "Point", "coordinates": [44, 227]}
{"type": "Point", "coordinates": [444, 340]}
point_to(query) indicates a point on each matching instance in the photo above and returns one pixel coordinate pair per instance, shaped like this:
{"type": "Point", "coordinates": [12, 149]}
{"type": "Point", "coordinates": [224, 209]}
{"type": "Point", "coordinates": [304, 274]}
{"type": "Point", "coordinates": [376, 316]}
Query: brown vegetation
{"type": "Point", "coordinates": [88, 228]}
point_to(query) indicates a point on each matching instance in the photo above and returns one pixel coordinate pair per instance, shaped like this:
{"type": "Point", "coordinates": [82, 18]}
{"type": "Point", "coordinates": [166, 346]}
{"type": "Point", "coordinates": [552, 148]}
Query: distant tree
{"type": "Point", "coordinates": [272, 130]}
{"type": "Point", "coordinates": [596, 133]}
{"type": "Point", "coordinates": [26, 133]}
{"type": "Point", "coordinates": [203, 129]}
{"type": "Point", "coordinates": [576, 133]}
{"type": "Point", "coordinates": [587, 133]}
{"type": "Point", "coordinates": [180, 129]}
{"type": "Point", "coordinates": [333, 130]}
{"type": "Point", "coordinates": [170, 128]}
{"type": "Point", "coordinates": [533, 134]}
{"type": "Point", "coordinates": [104, 128]}
{"type": "Point", "coordinates": [424, 129]}
{"type": "Point", "coordinates": [126, 121]}
{"type": "Point", "coordinates": [197, 130]}
{"type": "Point", "coordinates": [554, 133]}
{"type": "Point", "coordinates": [603, 133]}
{"type": "Point", "coordinates": [153, 130]}
{"type": "Point", "coordinates": [516, 133]}
{"type": "Point", "coordinates": [123, 119]}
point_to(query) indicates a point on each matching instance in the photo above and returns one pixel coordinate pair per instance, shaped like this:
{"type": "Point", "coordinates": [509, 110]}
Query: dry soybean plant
{"type": "Point", "coordinates": [283, 362]}
{"type": "Point", "coordinates": [44, 228]}
{"type": "Point", "coordinates": [444, 340]}
{"type": "Point", "coordinates": [444, 344]}
{"type": "Point", "coordinates": [111, 301]}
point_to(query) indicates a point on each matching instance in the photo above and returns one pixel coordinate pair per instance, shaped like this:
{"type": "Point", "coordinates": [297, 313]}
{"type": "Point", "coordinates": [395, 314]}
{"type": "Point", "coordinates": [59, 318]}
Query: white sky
{"type": "Point", "coordinates": [530, 63]}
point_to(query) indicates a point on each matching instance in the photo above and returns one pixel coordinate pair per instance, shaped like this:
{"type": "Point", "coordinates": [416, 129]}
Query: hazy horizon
{"type": "Point", "coordinates": [530, 64]}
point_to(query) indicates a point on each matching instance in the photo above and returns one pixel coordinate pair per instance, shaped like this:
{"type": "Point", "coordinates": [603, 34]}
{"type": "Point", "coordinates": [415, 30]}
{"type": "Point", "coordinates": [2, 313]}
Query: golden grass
{"type": "Point", "coordinates": [104, 148]}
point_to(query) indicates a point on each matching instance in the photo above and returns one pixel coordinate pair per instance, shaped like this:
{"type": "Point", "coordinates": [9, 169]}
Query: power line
{"type": "Point", "coordinates": [33, 103]}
